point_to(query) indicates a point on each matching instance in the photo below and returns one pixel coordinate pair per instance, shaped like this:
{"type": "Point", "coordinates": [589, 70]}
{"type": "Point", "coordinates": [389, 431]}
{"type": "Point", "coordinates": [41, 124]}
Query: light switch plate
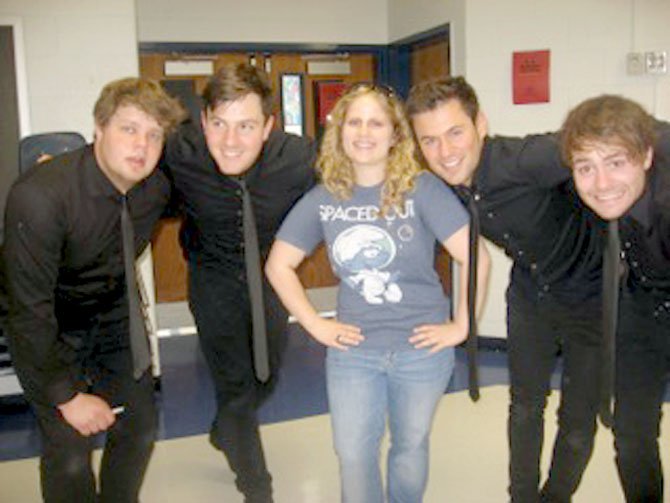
{"type": "Point", "coordinates": [635, 63]}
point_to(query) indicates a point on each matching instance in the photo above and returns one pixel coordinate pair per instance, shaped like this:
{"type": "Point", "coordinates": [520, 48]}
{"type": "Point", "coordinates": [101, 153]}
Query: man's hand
{"type": "Point", "coordinates": [88, 414]}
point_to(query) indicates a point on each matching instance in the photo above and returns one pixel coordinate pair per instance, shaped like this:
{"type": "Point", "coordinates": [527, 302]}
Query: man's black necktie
{"type": "Point", "coordinates": [252, 260]}
{"type": "Point", "coordinates": [611, 278]}
{"type": "Point", "coordinates": [471, 344]}
{"type": "Point", "coordinates": [139, 344]}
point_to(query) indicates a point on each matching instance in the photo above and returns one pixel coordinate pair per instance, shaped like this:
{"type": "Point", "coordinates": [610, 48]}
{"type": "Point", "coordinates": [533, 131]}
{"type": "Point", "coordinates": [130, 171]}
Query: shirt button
{"type": "Point", "coordinates": [545, 288]}
{"type": "Point", "coordinates": [506, 236]}
{"type": "Point", "coordinates": [634, 263]}
{"type": "Point", "coordinates": [239, 213]}
{"type": "Point", "coordinates": [520, 253]}
{"type": "Point", "coordinates": [477, 196]}
{"type": "Point", "coordinates": [238, 193]}
{"type": "Point", "coordinates": [627, 244]}
{"type": "Point", "coordinates": [533, 266]}
{"type": "Point", "coordinates": [643, 279]}
{"type": "Point", "coordinates": [490, 214]}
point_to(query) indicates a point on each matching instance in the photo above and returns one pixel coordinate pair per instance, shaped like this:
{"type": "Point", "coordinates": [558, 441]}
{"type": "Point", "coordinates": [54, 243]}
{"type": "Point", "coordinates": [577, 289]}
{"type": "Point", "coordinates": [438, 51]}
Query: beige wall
{"type": "Point", "coordinates": [588, 40]}
{"type": "Point", "coordinates": [273, 21]}
{"type": "Point", "coordinates": [72, 48]}
{"type": "Point", "coordinates": [408, 17]}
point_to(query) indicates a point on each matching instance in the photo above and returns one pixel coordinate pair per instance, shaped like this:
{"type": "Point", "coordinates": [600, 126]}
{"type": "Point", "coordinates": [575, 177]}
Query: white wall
{"type": "Point", "coordinates": [588, 40]}
{"type": "Point", "coordinates": [408, 17]}
{"type": "Point", "coordinates": [72, 48]}
{"type": "Point", "coordinates": [272, 21]}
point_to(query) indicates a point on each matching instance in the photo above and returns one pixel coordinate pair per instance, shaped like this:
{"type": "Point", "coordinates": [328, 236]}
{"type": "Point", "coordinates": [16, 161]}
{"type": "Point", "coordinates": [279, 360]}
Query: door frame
{"type": "Point", "coordinates": [20, 72]}
{"type": "Point", "coordinates": [380, 52]}
{"type": "Point", "coordinates": [399, 56]}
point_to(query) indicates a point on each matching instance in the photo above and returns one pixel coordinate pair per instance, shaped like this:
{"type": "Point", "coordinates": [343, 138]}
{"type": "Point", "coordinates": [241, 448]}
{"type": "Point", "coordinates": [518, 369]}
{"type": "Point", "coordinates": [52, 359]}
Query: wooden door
{"type": "Point", "coordinates": [429, 59]}
{"type": "Point", "coordinates": [169, 264]}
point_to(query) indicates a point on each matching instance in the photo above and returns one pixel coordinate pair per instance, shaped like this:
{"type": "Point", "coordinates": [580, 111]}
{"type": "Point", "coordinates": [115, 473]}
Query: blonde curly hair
{"type": "Point", "coordinates": [335, 167]}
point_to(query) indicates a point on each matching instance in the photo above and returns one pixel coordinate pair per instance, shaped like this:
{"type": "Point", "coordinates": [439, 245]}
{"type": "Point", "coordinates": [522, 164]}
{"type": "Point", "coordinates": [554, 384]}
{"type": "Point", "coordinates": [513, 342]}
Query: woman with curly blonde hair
{"type": "Point", "coordinates": [336, 168]}
{"type": "Point", "coordinates": [390, 351]}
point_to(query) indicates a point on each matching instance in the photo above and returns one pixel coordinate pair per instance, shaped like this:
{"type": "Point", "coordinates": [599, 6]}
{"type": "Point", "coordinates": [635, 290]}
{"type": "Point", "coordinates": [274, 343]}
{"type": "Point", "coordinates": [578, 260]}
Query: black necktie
{"type": "Point", "coordinates": [252, 261]}
{"type": "Point", "coordinates": [471, 345]}
{"type": "Point", "coordinates": [611, 277]}
{"type": "Point", "coordinates": [139, 344]}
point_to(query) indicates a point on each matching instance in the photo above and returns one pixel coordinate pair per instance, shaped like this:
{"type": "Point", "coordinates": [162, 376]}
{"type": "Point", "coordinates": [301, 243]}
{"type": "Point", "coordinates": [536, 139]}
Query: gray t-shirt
{"type": "Point", "coordinates": [386, 264]}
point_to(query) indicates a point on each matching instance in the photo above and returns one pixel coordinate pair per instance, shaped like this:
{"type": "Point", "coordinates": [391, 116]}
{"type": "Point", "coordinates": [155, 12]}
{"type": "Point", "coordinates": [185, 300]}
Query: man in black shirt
{"type": "Point", "coordinates": [231, 154]}
{"type": "Point", "coordinates": [620, 157]}
{"type": "Point", "coordinates": [68, 321]}
{"type": "Point", "coordinates": [525, 205]}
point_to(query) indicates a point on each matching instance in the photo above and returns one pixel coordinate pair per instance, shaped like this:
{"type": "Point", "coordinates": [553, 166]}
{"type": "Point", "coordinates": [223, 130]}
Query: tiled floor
{"type": "Point", "coordinates": [469, 446]}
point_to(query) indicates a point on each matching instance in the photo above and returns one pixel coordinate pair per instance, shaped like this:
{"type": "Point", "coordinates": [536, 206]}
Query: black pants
{"type": "Point", "coordinates": [643, 363]}
{"type": "Point", "coordinates": [539, 328]}
{"type": "Point", "coordinates": [220, 305]}
{"type": "Point", "coordinates": [65, 467]}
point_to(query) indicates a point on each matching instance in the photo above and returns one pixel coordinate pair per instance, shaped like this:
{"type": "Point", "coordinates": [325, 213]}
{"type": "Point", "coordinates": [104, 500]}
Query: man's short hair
{"type": "Point", "coordinates": [429, 95]}
{"type": "Point", "coordinates": [608, 119]}
{"type": "Point", "coordinates": [145, 94]}
{"type": "Point", "coordinates": [235, 81]}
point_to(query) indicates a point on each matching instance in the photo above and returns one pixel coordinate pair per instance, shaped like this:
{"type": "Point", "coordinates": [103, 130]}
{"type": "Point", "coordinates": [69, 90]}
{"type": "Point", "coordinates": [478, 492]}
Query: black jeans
{"type": "Point", "coordinates": [643, 363]}
{"type": "Point", "coordinates": [219, 302]}
{"type": "Point", "coordinates": [65, 467]}
{"type": "Point", "coordinates": [539, 329]}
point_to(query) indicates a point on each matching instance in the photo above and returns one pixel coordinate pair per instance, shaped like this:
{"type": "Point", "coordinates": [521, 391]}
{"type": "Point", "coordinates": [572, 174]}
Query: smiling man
{"type": "Point", "coordinates": [526, 205]}
{"type": "Point", "coordinates": [619, 159]}
{"type": "Point", "coordinates": [233, 154]}
{"type": "Point", "coordinates": [69, 312]}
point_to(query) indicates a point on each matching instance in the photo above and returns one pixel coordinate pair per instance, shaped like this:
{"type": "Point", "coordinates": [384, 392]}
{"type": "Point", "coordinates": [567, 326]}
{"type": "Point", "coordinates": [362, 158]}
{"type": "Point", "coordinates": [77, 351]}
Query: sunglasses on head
{"type": "Point", "coordinates": [387, 91]}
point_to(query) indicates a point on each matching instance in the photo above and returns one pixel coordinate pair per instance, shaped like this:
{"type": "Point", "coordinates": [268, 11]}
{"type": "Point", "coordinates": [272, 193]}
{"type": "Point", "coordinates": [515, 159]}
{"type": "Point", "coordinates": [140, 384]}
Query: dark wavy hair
{"type": "Point", "coordinates": [234, 81]}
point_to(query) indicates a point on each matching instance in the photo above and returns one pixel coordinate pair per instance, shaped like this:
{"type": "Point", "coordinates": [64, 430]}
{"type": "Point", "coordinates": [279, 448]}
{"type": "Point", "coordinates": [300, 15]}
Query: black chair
{"type": "Point", "coordinates": [32, 147]}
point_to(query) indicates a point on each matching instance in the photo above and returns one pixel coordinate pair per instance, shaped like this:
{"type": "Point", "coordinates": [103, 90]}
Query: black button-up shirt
{"type": "Point", "coordinates": [212, 232]}
{"type": "Point", "coordinates": [63, 258]}
{"type": "Point", "coordinates": [527, 206]}
{"type": "Point", "coordinates": [645, 228]}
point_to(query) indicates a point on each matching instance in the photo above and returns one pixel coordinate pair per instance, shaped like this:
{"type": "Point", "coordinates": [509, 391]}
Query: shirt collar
{"type": "Point", "coordinates": [641, 210]}
{"type": "Point", "coordinates": [96, 182]}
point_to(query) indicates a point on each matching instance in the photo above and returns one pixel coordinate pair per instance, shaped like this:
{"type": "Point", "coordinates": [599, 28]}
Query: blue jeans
{"type": "Point", "coordinates": [364, 388]}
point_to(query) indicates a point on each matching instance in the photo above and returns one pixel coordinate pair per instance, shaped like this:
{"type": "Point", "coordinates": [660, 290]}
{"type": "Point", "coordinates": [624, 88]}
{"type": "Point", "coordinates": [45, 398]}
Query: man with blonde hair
{"type": "Point", "coordinates": [74, 225]}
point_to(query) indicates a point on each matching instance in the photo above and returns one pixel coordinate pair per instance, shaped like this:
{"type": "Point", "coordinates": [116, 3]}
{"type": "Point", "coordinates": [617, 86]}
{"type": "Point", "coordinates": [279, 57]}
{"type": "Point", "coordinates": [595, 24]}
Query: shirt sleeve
{"type": "Point", "coordinates": [439, 207]}
{"type": "Point", "coordinates": [540, 159]}
{"type": "Point", "coordinates": [662, 162]}
{"type": "Point", "coordinates": [35, 231]}
{"type": "Point", "coordinates": [302, 226]}
{"type": "Point", "coordinates": [299, 154]}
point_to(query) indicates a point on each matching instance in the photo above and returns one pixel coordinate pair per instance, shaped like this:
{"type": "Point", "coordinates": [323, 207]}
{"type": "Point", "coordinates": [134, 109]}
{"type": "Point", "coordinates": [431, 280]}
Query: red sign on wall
{"type": "Point", "coordinates": [327, 93]}
{"type": "Point", "coordinates": [530, 77]}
